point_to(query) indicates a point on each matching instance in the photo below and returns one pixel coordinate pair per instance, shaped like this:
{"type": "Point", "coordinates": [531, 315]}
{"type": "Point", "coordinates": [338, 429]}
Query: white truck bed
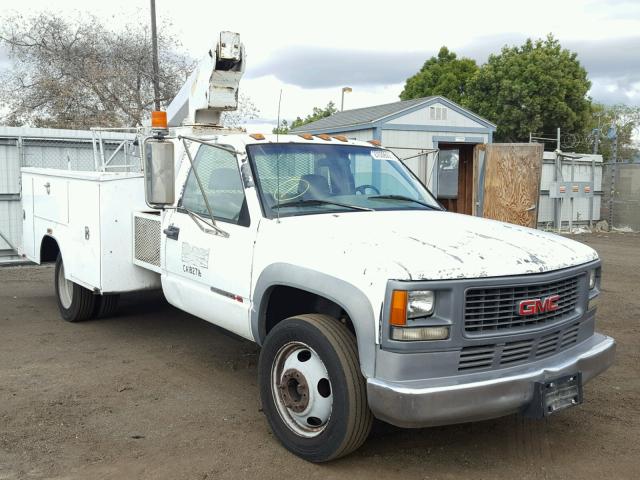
{"type": "Point", "coordinates": [91, 216]}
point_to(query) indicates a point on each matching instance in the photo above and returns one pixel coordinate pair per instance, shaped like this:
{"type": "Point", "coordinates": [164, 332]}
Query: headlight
{"type": "Point", "coordinates": [420, 303]}
{"type": "Point", "coordinates": [592, 279]}
{"type": "Point", "coordinates": [412, 305]}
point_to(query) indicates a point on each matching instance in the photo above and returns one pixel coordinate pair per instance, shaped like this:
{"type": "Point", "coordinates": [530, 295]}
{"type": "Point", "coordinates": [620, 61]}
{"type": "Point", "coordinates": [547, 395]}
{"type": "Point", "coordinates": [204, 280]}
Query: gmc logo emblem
{"type": "Point", "coordinates": [538, 305]}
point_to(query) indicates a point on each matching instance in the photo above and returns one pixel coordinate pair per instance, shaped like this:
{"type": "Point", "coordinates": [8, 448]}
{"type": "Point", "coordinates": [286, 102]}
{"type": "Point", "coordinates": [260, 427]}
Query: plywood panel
{"type": "Point", "coordinates": [512, 182]}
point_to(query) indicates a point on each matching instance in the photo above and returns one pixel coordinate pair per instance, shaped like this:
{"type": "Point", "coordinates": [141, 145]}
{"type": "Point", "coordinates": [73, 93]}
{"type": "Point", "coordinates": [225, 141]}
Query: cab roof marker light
{"type": "Point", "coordinates": [377, 143]}
{"type": "Point", "coordinates": [324, 136]}
{"type": "Point", "coordinates": [341, 138]}
{"type": "Point", "coordinates": [257, 136]}
{"type": "Point", "coordinates": [306, 136]}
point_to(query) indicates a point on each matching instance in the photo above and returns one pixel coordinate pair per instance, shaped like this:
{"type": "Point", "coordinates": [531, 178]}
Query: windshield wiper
{"type": "Point", "coordinates": [316, 201]}
{"type": "Point", "coordinates": [403, 198]}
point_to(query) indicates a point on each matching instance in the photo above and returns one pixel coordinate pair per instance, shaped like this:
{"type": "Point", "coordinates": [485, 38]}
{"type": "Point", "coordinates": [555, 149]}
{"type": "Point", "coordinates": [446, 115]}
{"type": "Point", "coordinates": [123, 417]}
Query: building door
{"type": "Point", "coordinates": [455, 177]}
{"type": "Point", "coordinates": [508, 179]}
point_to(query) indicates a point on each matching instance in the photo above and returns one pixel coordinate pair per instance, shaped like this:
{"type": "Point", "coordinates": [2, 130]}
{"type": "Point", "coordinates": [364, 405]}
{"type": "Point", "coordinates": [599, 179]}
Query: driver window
{"type": "Point", "coordinates": [218, 172]}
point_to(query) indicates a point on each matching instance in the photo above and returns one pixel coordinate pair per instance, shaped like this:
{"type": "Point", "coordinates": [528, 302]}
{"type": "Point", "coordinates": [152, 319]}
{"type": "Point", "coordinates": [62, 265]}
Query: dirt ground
{"type": "Point", "coordinates": [157, 393]}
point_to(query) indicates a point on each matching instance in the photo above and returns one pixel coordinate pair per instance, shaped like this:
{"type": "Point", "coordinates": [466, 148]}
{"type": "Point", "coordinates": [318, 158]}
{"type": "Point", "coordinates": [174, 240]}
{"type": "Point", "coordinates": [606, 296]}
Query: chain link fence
{"type": "Point", "coordinates": [621, 205]}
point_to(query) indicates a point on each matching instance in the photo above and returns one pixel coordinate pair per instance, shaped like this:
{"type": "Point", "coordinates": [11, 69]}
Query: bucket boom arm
{"type": "Point", "coordinates": [212, 87]}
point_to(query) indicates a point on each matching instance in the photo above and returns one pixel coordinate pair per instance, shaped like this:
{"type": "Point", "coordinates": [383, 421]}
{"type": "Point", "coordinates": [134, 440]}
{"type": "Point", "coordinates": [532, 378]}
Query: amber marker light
{"type": "Point", "coordinates": [257, 136]}
{"type": "Point", "coordinates": [306, 136]}
{"type": "Point", "coordinates": [398, 316]}
{"type": "Point", "coordinates": [158, 119]}
{"type": "Point", "coordinates": [377, 143]}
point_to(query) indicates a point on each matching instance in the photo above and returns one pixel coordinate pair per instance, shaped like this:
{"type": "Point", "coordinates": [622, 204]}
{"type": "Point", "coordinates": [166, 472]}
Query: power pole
{"type": "Point", "coordinates": [156, 68]}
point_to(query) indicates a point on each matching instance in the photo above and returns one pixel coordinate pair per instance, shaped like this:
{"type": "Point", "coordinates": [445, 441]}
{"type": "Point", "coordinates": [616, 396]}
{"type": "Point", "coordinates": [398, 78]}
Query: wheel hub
{"type": "Point", "coordinates": [301, 389]}
{"type": "Point", "coordinates": [294, 390]}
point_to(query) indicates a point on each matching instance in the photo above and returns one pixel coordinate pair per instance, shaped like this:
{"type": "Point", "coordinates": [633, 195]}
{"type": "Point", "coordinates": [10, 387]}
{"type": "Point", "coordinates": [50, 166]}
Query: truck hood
{"type": "Point", "coordinates": [426, 245]}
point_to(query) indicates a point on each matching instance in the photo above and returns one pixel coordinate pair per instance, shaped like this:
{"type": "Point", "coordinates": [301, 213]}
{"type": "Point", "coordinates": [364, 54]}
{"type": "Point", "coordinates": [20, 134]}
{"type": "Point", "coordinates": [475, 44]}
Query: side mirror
{"type": "Point", "coordinates": [159, 173]}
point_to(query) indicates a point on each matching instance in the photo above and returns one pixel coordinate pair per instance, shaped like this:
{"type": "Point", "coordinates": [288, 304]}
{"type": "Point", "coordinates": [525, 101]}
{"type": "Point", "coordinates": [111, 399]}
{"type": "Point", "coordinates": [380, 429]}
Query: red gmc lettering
{"type": "Point", "coordinates": [538, 305]}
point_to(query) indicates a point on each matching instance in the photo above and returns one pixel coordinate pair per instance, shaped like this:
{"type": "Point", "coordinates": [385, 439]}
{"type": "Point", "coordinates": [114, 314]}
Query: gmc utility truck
{"type": "Point", "coordinates": [367, 298]}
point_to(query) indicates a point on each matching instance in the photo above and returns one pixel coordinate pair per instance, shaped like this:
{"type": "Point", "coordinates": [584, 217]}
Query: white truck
{"type": "Point", "coordinates": [367, 298]}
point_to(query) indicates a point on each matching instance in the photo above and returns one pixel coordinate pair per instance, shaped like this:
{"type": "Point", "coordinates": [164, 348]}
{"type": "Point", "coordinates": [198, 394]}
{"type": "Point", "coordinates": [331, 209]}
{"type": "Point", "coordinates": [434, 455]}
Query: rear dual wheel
{"type": "Point", "coordinates": [76, 303]}
{"type": "Point", "coordinates": [312, 391]}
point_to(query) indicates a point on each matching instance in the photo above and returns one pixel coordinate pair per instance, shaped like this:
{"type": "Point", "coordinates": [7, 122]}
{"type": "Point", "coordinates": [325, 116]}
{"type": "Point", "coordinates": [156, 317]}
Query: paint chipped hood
{"type": "Point", "coordinates": [426, 245]}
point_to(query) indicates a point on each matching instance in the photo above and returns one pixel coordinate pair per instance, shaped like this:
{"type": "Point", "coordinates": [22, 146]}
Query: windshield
{"type": "Point", "coordinates": [302, 179]}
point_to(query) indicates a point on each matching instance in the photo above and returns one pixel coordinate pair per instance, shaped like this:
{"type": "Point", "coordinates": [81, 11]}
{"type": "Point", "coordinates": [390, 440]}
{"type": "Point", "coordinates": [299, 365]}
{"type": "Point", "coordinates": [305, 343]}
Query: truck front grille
{"type": "Point", "coordinates": [493, 310]}
{"type": "Point", "coordinates": [512, 353]}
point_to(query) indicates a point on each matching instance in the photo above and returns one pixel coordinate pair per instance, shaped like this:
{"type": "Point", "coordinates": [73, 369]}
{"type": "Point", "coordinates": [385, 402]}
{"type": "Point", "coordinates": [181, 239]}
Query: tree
{"type": "Point", "coordinates": [246, 111]}
{"type": "Point", "coordinates": [444, 75]}
{"type": "Point", "coordinates": [317, 114]}
{"type": "Point", "coordinates": [79, 73]}
{"type": "Point", "coordinates": [605, 119]}
{"type": "Point", "coordinates": [536, 87]}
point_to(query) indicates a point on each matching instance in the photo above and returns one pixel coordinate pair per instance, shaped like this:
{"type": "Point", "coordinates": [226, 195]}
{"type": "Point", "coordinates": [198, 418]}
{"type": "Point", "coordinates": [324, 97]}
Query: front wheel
{"type": "Point", "coordinates": [312, 391]}
{"type": "Point", "coordinates": [75, 303]}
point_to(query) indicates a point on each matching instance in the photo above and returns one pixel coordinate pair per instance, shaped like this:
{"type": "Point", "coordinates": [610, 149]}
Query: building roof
{"type": "Point", "coordinates": [368, 115]}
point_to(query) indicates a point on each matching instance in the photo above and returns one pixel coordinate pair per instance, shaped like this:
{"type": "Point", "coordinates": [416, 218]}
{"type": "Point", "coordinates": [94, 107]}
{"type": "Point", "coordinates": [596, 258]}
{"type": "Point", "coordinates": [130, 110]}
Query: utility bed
{"type": "Point", "coordinates": [91, 215]}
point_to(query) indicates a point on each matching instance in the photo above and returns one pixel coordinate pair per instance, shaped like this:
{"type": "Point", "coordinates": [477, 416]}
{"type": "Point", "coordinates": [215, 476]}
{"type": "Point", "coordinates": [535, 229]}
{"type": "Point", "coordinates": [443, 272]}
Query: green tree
{"type": "Point", "coordinates": [317, 114]}
{"type": "Point", "coordinates": [445, 75]}
{"type": "Point", "coordinates": [536, 87]}
{"type": "Point", "coordinates": [625, 119]}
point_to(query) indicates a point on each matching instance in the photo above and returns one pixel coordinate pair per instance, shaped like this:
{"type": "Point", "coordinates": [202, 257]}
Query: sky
{"type": "Point", "coordinates": [311, 50]}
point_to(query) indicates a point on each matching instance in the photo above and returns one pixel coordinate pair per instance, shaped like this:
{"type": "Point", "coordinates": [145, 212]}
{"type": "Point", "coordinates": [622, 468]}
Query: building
{"type": "Point", "coordinates": [415, 130]}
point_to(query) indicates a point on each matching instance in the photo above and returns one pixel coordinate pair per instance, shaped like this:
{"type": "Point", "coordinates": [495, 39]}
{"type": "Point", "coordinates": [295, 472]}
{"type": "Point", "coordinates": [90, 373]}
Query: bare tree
{"type": "Point", "coordinates": [79, 73]}
{"type": "Point", "coordinates": [246, 111]}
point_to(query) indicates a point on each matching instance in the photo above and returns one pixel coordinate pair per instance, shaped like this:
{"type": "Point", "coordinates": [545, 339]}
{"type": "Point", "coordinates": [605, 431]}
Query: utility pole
{"type": "Point", "coordinates": [344, 90]}
{"type": "Point", "coordinates": [156, 68]}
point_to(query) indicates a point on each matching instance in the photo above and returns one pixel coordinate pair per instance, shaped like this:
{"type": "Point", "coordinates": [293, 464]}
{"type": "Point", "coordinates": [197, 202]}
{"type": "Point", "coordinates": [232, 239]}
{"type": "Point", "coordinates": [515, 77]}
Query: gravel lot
{"type": "Point", "coordinates": [157, 393]}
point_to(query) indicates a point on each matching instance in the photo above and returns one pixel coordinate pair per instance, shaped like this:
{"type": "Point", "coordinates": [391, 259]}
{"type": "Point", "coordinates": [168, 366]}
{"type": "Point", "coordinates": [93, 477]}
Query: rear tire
{"type": "Point", "coordinates": [312, 391]}
{"type": "Point", "coordinates": [106, 305]}
{"type": "Point", "coordinates": [75, 303]}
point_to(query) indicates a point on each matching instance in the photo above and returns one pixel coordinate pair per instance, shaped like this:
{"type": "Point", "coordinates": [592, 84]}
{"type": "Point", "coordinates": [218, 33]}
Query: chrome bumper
{"type": "Point", "coordinates": [485, 395]}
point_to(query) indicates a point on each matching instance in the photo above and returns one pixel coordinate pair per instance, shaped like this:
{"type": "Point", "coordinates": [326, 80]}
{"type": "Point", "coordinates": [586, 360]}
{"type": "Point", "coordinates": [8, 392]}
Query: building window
{"type": "Point", "coordinates": [438, 113]}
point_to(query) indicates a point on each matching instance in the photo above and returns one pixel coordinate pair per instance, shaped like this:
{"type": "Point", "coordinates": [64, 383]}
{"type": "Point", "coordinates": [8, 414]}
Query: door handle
{"type": "Point", "coordinates": [171, 232]}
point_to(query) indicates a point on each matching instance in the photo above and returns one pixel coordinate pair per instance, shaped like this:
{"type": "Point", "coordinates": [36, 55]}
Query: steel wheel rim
{"type": "Point", "coordinates": [301, 389]}
{"type": "Point", "coordinates": [65, 288]}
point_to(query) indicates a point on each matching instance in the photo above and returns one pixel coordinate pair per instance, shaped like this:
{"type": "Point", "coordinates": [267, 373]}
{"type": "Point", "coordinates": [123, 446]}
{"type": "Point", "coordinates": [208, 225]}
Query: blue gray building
{"type": "Point", "coordinates": [425, 125]}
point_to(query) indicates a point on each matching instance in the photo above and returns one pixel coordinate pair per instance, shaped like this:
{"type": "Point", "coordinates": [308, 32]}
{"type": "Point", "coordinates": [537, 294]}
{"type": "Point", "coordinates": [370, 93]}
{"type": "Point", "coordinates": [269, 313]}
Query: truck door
{"type": "Point", "coordinates": [208, 272]}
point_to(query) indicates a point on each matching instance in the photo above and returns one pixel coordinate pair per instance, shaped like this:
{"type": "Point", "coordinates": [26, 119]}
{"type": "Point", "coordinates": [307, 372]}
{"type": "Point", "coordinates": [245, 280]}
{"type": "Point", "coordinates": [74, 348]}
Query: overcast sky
{"type": "Point", "coordinates": [311, 50]}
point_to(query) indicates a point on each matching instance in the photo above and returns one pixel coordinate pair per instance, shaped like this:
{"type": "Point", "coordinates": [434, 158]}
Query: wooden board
{"type": "Point", "coordinates": [512, 182]}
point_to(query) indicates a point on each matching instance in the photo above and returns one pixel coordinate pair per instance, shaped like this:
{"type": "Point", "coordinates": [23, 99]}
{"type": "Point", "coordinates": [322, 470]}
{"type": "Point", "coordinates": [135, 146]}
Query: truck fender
{"type": "Point", "coordinates": [349, 298]}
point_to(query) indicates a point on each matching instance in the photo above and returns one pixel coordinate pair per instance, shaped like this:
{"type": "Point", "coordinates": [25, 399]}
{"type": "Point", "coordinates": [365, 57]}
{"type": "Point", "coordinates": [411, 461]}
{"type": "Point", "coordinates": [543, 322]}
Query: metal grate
{"type": "Point", "coordinates": [494, 309]}
{"type": "Point", "coordinates": [511, 353]}
{"type": "Point", "coordinates": [147, 240]}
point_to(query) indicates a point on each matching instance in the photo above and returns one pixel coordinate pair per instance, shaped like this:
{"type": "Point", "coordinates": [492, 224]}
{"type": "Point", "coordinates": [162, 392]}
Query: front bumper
{"type": "Point", "coordinates": [480, 396]}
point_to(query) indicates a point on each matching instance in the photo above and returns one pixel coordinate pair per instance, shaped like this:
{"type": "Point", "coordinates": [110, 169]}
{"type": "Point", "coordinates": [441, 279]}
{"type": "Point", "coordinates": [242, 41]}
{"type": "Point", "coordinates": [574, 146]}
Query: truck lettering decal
{"type": "Point", "coordinates": [196, 256]}
{"type": "Point", "coordinates": [195, 271]}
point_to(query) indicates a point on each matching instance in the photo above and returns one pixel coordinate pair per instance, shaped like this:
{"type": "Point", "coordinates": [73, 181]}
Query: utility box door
{"type": "Point", "coordinates": [509, 182]}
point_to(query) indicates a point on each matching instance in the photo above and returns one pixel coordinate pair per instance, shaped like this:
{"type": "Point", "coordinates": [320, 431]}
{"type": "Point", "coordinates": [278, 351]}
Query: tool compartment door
{"type": "Point", "coordinates": [82, 249]}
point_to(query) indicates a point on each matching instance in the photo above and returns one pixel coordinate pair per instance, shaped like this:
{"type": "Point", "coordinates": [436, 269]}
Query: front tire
{"type": "Point", "coordinates": [75, 303]}
{"type": "Point", "coordinates": [312, 391]}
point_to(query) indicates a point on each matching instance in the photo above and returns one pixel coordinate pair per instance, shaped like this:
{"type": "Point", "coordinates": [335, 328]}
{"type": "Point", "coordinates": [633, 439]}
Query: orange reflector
{"type": "Point", "coordinates": [158, 119]}
{"type": "Point", "coordinates": [306, 136]}
{"type": "Point", "coordinates": [377, 143]}
{"type": "Point", "coordinates": [399, 308]}
{"type": "Point", "coordinates": [324, 136]}
{"type": "Point", "coordinates": [257, 136]}
{"type": "Point", "coordinates": [342, 138]}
